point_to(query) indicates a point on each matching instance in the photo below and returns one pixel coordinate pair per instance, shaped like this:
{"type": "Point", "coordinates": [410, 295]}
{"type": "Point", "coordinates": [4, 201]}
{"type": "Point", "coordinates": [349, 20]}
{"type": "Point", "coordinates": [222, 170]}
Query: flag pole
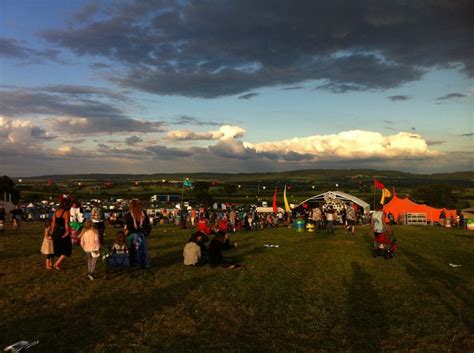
{"type": "Point", "coordinates": [373, 185]}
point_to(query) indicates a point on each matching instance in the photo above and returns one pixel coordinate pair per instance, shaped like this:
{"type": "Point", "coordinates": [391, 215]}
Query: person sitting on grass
{"type": "Point", "coordinates": [120, 245]}
{"type": "Point", "coordinates": [192, 252]}
{"type": "Point", "coordinates": [221, 242]}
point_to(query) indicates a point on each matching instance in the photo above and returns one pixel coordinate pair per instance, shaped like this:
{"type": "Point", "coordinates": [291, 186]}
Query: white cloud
{"type": "Point", "coordinates": [21, 131]}
{"type": "Point", "coordinates": [354, 144]}
{"type": "Point", "coordinates": [225, 132]}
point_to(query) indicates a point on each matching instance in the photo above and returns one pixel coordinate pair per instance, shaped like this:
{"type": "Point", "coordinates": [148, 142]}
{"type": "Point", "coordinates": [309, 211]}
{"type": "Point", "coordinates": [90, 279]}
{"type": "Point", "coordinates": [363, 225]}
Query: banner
{"type": "Point", "coordinates": [285, 200]}
{"type": "Point", "coordinates": [378, 184]}
{"type": "Point", "coordinates": [385, 193]}
{"type": "Point", "coordinates": [275, 208]}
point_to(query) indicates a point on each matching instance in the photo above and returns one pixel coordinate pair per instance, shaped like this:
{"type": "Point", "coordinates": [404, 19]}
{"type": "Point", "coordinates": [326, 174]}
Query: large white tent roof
{"type": "Point", "coordinates": [340, 196]}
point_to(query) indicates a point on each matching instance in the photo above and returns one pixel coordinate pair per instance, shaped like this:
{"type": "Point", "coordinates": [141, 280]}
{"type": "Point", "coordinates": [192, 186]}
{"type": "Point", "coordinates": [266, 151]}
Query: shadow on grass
{"type": "Point", "coordinates": [447, 288]}
{"type": "Point", "coordinates": [85, 324]}
{"type": "Point", "coordinates": [366, 322]}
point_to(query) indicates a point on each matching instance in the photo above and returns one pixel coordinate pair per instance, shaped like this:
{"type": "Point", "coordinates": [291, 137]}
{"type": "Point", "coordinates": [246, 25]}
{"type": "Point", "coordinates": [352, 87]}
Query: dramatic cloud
{"type": "Point", "coordinates": [353, 144]}
{"type": "Point", "coordinates": [77, 110]}
{"type": "Point", "coordinates": [13, 49]}
{"type": "Point", "coordinates": [434, 142]}
{"type": "Point", "coordinates": [60, 101]}
{"type": "Point", "coordinates": [399, 98]}
{"type": "Point", "coordinates": [163, 152]}
{"type": "Point", "coordinates": [225, 132]}
{"type": "Point", "coordinates": [133, 140]}
{"type": "Point", "coordinates": [451, 96]}
{"type": "Point", "coordinates": [22, 131]}
{"type": "Point", "coordinates": [189, 120]}
{"type": "Point", "coordinates": [248, 95]}
{"type": "Point", "coordinates": [215, 48]}
{"type": "Point", "coordinates": [100, 126]}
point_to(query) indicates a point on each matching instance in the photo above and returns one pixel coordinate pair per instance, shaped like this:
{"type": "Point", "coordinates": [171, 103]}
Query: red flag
{"type": "Point", "coordinates": [378, 184]}
{"type": "Point", "coordinates": [275, 208]}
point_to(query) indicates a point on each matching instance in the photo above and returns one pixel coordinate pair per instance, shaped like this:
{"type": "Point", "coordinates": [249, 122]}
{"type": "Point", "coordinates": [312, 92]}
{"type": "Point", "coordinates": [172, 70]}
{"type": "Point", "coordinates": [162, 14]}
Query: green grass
{"type": "Point", "coordinates": [314, 293]}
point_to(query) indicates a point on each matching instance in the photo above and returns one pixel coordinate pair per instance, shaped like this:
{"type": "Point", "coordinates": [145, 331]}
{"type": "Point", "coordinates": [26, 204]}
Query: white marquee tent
{"type": "Point", "coordinates": [339, 195]}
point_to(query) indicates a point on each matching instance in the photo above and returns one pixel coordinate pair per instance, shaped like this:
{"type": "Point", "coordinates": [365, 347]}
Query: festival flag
{"type": "Point", "coordinates": [385, 193]}
{"type": "Point", "coordinates": [275, 208]}
{"type": "Point", "coordinates": [187, 183]}
{"type": "Point", "coordinates": [378, 184]}
{"type": "Point", "coordinates": [285, 200]}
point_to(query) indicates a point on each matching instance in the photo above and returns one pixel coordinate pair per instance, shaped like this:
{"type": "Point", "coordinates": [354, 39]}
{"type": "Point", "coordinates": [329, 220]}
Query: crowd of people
{"type": "Point", "coordinates": [211, 229]}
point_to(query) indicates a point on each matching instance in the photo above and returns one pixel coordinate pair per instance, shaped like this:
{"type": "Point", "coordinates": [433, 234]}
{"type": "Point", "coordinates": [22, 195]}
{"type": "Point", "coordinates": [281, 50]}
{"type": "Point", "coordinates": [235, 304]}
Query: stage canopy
{"type": "Point", "coordinates": [339, 195]}
{"type": "Point", "coordinates": [398, 206]}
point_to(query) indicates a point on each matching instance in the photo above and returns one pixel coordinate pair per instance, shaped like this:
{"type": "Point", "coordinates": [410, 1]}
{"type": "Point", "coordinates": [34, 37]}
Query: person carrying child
{"type": "Point", "coordinates": [91, 245]}
{"type": "Point", "coordinates": [47, 247]}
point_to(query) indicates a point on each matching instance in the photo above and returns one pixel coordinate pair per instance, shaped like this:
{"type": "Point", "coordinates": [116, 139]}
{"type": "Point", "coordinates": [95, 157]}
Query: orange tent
{"type": "Point", "coordinates": [398, 206]}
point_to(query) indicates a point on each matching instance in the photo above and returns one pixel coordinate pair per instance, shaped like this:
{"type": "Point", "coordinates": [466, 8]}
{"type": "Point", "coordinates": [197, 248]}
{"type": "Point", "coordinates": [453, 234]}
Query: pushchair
{"type": "Point", "coordinates": [384, 246]}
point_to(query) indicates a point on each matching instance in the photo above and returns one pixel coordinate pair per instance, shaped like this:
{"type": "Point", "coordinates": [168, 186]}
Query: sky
{"type": "Point", "coordinates": [232, 86]}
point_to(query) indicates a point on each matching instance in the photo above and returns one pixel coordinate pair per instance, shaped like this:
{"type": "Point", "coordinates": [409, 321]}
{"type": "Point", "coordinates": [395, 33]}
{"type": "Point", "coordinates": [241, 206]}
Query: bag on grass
{"type": "Point", "coordinates": [119, 260]}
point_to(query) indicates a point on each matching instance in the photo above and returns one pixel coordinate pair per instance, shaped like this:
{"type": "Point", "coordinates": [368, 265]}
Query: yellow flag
{"type": "Point", "coordinates": [287, 206]}
{"type": "Point", "coordinates": [385, 193]}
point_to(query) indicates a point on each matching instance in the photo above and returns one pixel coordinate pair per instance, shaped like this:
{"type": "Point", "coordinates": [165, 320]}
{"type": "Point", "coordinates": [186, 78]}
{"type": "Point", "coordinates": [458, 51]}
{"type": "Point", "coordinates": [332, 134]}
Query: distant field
{"type": "Point", "coordinates": [315, 292]}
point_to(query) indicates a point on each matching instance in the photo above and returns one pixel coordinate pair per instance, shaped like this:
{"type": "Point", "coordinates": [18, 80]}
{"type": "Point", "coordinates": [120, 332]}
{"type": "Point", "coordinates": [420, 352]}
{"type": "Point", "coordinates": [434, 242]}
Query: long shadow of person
{"type": "Point", "coordinates": [366, 323]}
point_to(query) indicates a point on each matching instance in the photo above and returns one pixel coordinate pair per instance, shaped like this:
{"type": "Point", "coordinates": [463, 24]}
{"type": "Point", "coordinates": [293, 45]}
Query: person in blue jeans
{"type": "Point", "coordinates": [137, 228]}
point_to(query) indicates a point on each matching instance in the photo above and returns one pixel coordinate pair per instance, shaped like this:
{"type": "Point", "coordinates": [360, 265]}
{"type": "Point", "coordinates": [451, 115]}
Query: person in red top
{"type": "Point", "coordinates": [203, 226]}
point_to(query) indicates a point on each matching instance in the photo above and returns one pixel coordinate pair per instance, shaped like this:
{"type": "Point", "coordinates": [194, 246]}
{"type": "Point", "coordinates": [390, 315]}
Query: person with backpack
{"type": "Point", "coordinates": [137, 228]}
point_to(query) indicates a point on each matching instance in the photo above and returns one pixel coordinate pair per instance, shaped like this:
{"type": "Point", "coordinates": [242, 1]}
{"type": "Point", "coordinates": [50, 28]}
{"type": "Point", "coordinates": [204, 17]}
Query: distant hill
{"type": "Point", "coordinates": [310, 175]}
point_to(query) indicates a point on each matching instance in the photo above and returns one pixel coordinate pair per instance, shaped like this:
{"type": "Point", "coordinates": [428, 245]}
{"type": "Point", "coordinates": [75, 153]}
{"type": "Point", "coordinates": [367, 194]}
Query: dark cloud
{"type": "Point", "coordinates": [209, 48]}
{"type": "Point", "coordinates": [166, 153]}
{"type": "Point", "coordinates": [75, 141]}
{"type": "Point", "coordinates": [13, 49]}
{"type": "Point", "coordinates": [468, 134]}
{"type": "Point", "coordinates": [291, 88]}
{"type": "Point", "coordinates": [248, 95]}
{"type": "Point", "coordinates": [451, 96]}
{"type": "Point", "coordinates": [232, 149]}
{"type": "Point", "coordinates": [434, 142]}
{"type": "Point", "coordinates": [75, 109]}
{"type": "Point", "coordinates": [388, 122]}
{"type": "Point", "coordinates": [41, 134]}
{"type": "Point", "coordinates": [133, 140]}
{"type": "Point", "coordinates": [105, 125]}
{"type": "Point", "coordinates": [399, 98]}
{"type": "Point", "coordinates": [87, 11]}
{"type": "Point", "coordinates": [50, 101]}
{"type": "Point", "coordinates": [189, 120]}
{"type": "Point", "coordinates": [100, 66]}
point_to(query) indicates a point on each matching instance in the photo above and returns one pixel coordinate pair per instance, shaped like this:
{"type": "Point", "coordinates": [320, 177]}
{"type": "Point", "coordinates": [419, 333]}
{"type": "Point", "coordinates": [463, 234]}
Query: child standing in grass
{"type": "Point", "coordinates": [47, 247]}
{"type": "Point", "coordinates": [91, 245]}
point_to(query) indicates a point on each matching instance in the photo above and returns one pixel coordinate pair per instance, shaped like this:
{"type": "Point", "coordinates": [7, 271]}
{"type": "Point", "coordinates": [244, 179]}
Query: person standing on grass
{"type": "Point", "coordinates": [2, 218]}
{"type": "Point", "coordinates": [97, 217]}
{"type": "Point", "coordinates": [351, 219]}
{"type": "Point", "coordinates": [91, 245]}
{"type": "Point", "coordinates": [137, 228]}
{"type": "Point", "coordinates": [47, 247]}
{"type": "Point", "coordinates": [61, 232]}
{"type": "Point", "coordinates": [377, 221]}
{"type": "Point", "coordinates": [330, 215]}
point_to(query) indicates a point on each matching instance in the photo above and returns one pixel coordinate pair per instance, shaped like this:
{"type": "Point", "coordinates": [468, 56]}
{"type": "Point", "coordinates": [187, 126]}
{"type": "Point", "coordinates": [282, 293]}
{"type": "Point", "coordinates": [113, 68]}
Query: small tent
{"type": "Point", "coordinates": [401, 206]}
{"type": "Point", "coordinates": [339, 195]}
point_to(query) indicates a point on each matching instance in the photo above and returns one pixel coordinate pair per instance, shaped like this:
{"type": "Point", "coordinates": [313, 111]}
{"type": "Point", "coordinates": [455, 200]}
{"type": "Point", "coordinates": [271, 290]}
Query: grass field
{"type": "Point", "coordinates": [315, 292]}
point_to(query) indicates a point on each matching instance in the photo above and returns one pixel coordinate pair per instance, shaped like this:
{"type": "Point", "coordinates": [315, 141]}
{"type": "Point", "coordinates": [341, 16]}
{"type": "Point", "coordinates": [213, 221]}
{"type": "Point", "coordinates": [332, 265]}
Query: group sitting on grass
{"type": "Point", "coordinates": [196, 253]}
